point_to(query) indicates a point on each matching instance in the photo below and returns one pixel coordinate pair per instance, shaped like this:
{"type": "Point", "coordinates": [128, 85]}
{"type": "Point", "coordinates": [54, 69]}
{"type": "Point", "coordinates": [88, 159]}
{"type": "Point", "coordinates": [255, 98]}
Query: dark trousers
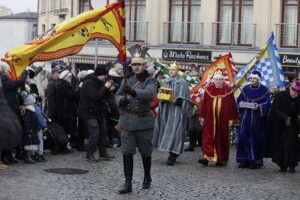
{"type": "Point", "coordinates": [97, 136]}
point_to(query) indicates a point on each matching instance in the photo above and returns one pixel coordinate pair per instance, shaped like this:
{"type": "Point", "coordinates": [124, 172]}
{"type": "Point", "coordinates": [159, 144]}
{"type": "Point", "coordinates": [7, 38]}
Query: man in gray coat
{"type": "Point", "coordinates": [136, 120]}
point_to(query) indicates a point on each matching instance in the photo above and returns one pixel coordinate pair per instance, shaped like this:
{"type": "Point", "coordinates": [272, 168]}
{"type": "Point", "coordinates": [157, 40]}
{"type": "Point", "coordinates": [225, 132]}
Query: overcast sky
{"type": "Point", "coordinates": [18, 6]}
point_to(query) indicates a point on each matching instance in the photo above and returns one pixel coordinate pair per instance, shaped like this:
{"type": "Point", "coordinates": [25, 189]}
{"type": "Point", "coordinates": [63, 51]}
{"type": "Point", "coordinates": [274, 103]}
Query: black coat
{"type": "Point", "coordinates": [31, 127]}
{"type": "Point", "coordinates": [280, 140]}
{"type": "Point", "coordinates": [10, 127]}
{"type": "Point", "coordinates": [67, 99]}
{"type": "Point", "coordinates": [10, 90]}
{"type": "Point", "coordinates": [93, 98]}
{"type": "Point", "coordinates": [52, 99]}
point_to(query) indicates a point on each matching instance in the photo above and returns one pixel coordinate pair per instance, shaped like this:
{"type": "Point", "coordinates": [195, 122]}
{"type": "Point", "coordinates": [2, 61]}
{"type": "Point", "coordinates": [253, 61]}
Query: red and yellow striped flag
{"type": "Point", "coordinates": [69, 37]}
{"type": "Point", "coordinates": [224, 63]}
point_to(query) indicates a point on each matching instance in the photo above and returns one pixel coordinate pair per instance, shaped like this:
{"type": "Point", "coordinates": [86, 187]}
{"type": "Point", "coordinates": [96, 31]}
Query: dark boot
{"type": "Point", "coordinates": [27, 157]}
{"type": "Point", "coordinates": [283, 169]}
{"type": "Point", "coordinates": [203, 162]}
{"type": "Point", "coordinates": [172, 158]}
{"type": "Point", "coordinates": [128, 169]}
{"type": "Point", "coordinates": [19, 153]}
{"type": "Point", "coordinates": [147, 169]}
{"type": "Point", "coordinates": [292, 170]}
{"type": "Point", "coordinates": [189, 148]}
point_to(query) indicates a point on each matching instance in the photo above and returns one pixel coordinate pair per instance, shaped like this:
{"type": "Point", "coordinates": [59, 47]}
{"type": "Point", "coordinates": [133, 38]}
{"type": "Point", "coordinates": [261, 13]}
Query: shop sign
{"type": "Point", "coordinates": [287, 59]}
{"type": "Point", "coordinates": [186, 55]}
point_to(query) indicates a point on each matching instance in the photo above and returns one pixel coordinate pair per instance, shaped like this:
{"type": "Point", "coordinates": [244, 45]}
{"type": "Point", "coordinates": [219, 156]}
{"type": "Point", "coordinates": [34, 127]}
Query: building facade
{"type": "Point", "coordinates": [10, 26]}
{"type": "Point", "coordinates": [193, 32]}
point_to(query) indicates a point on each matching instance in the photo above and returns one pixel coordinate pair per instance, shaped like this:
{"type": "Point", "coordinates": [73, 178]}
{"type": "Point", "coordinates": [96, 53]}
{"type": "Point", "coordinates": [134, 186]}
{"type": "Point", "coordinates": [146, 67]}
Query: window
{"type": "Point", "coordinates": [235, 25]}
{"type": "Point", "coordinates": [34, 31]}
{"type": "Point", "coordinates": [43, 28]}
{"type": "Point", "coordinates": [83, 6]}
{"type": "Point", "coordinates": [289, 28]}
{"type": "Point", "coordinates": [184, 17]}
{"type": "Point", "coordinates": [136, 25]}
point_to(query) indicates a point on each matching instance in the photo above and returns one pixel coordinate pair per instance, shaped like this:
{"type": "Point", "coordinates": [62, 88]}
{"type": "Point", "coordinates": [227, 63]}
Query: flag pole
{"type": "Point", "coordinates": [96, 53]}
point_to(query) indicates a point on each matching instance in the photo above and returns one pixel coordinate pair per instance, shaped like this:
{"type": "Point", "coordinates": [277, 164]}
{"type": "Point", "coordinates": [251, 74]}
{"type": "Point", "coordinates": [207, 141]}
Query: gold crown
{"type": "Point", "coordinates": [174, 64]}
{"type": "Point", "coordinates": [219, 72]}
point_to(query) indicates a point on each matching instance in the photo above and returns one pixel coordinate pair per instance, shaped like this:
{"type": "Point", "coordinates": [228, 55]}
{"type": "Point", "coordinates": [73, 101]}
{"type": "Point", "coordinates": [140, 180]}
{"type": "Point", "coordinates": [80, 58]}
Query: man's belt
{"type": "Point", "coordinates": [140, 113]}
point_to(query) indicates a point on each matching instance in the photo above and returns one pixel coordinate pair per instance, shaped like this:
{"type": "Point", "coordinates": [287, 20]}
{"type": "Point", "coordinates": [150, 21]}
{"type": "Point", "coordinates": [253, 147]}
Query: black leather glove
{"type": "Point", "coordinates": [131, 92]}
{"type": "Point", "coordinates": [178, 102]}
{"type": "Point", "coordinates": [123, 102]}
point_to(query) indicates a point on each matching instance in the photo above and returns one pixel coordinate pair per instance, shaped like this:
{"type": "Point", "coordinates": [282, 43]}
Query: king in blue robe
{"type": "Point", "coordinates": [254, 105]}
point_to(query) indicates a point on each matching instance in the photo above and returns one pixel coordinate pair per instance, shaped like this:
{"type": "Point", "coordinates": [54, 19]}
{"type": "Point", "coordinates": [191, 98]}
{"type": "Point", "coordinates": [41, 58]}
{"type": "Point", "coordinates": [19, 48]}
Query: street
{"type": "Point", "coordinates": [187, 179]}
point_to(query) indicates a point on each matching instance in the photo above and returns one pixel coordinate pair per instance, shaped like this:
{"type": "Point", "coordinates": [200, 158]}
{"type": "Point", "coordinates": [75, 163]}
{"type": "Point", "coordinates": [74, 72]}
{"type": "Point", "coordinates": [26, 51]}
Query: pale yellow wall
{"type": "Point", "coordinates": [208, 16]}
{"type": "Point", "coordinates": [153, 16]}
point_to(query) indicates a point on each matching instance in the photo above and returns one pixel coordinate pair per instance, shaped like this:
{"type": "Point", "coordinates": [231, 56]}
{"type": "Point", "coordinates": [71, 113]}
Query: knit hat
{"type": "Point", "coordinates": [65, 74]}
{"type": "Point", "coordinates": [56, 69]}
{"type": "Point", "coordinates": [27, 98]}
{"type": "Point", "coordinates": [296, 86]}
{"type": "Point", "coordinates": [100, 70]}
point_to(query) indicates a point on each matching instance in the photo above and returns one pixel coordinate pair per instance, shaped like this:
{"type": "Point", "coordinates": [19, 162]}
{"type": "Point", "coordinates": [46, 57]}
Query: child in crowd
{"type": "Point", "coordinates": [30, 126]}
{"type": "Point", "coordinates": [39, 154]}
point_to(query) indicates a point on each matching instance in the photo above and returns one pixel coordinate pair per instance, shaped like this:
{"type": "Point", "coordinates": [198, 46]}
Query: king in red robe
{"type": "Point", "coordinates": [218, 112]}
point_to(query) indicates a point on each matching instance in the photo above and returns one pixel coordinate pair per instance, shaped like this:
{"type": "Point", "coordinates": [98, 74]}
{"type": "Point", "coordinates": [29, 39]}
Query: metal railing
{"type": "Point", "coordinates": [288, 35]}
{"type": "Point", "coordinates": [183, 32]}
{"type": "Point", "coordinates": [234, 34]}
{"type": "Point", "coordinates": [137, 31]}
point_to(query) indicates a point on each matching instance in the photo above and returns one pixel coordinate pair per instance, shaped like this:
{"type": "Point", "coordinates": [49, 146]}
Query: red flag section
{"type": "Point", "coordinates": [225, 64]}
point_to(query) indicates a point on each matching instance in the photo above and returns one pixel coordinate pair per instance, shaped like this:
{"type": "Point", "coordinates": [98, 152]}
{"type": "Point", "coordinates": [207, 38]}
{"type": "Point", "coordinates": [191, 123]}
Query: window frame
{"type": "Point", "coordinates": [133, 7]}
{"type": "Point", "coordinates": [283, 4]}
{"type": "Point", "coordinates": [189, 5]}
{"type": "Point", "coordinates": [233, 5]}
{"type": "Point", "coordinates": [81, 6]}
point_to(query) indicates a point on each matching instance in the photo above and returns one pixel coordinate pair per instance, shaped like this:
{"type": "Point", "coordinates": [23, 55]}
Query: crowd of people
{"type": "Point", "coordinates": [100, 109]}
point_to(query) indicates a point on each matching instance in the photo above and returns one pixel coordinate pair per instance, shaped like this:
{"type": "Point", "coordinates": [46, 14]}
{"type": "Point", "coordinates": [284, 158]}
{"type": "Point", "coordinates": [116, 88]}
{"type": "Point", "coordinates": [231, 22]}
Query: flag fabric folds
{"type": "Point", "coordinates": [267, 62]}
{"type": "Point", "coordinates": [224, 63]}
{"type": "Point", "coordinates": [69, 37]}
{"type": "Point", "coordinates": [165, 71]}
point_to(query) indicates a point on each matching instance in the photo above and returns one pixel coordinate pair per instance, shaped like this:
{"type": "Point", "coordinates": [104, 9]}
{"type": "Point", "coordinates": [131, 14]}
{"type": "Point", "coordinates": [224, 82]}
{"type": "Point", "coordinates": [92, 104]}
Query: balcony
{"type": "Point", "coordinates": [137, 31]}
{"type": "Point", "coordinates": [183, 33]}
{"type": "Point", "coordinates": [61, 12]}
{"type": "Point", "coordinates": [288, 35]}
{"type": "Point", "coordinates": [234, 34]}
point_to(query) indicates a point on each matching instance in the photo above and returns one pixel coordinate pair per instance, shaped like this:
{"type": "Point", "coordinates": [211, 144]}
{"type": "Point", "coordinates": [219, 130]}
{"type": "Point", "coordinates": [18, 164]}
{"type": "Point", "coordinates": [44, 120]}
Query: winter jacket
{"type": "Point", "coordinates": [31, 127]}
{"type": "Point", "coordinates": [10, 127]}
{"type": "Point", "coordinates": [93, 98]}
{"type": "Point", "coordinates": [10, 90]}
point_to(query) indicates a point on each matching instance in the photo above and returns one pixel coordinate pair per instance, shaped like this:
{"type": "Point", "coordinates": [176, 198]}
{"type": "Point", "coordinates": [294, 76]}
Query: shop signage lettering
{"type": "Point", "coordinates": [189, 55]}
{"type": "Point", "coordinates": [290, 59]}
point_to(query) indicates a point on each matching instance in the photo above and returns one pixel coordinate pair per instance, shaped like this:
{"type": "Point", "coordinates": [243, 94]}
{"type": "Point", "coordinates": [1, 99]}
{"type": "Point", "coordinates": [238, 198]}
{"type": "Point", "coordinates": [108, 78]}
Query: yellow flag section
{"type": "Point", "coordinates": [226, 65]}
{"type": "Point", "coordinates": [69, 37]}
{"type": "Point", "coordinates": [241, 80]}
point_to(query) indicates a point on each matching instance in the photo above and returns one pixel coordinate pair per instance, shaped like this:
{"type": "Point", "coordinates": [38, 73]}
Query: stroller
{"type": "Point", "coordinates": [55, 138]}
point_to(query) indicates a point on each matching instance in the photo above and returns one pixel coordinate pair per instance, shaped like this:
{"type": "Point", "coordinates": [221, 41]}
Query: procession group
{"type": "Point", "coordinates": [99, 108]}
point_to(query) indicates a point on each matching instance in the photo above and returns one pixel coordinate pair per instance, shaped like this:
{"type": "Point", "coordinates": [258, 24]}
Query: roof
{"type": "Point", "coordinates": [23, 15]}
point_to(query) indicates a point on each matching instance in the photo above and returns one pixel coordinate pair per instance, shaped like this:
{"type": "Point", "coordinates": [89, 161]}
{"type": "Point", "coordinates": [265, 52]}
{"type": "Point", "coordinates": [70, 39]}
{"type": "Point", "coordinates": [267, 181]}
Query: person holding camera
{"type": "Point", "coordinates": [93, 110]}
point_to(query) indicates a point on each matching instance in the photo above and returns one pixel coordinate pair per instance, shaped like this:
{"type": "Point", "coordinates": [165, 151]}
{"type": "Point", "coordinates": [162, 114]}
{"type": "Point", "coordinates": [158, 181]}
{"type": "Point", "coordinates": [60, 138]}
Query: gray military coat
{"type": "Point", "coordinates": [145, 92]}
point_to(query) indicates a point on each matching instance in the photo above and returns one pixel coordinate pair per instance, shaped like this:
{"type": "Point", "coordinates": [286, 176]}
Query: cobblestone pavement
{"type": "Point", "coordinates": [185, 180]}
